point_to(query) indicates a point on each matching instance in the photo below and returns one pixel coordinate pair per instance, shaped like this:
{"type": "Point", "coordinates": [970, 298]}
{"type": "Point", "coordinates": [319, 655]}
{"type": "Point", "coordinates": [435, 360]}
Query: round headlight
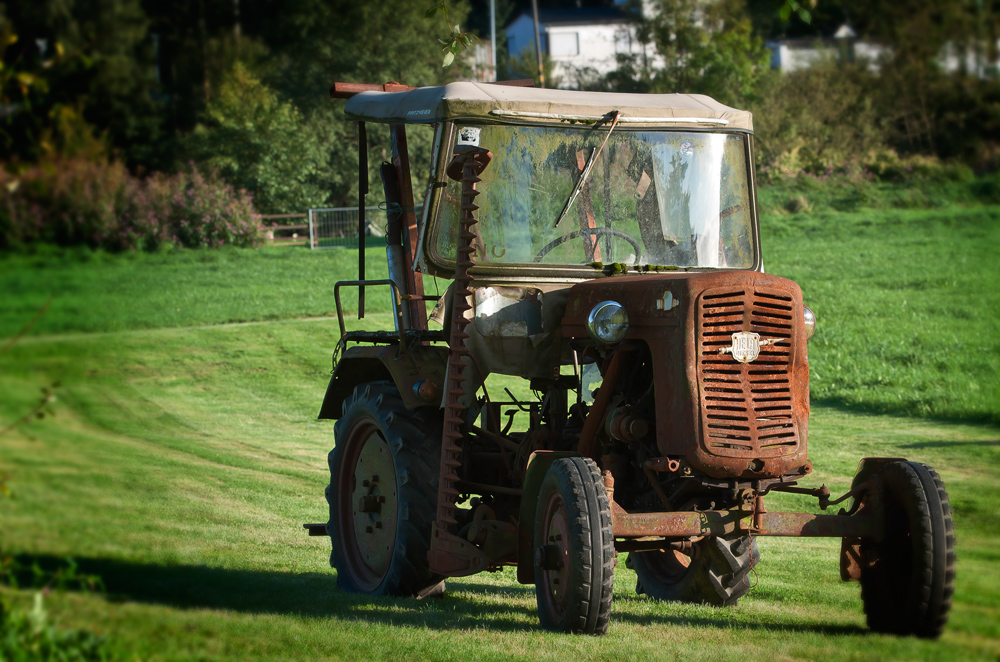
{"type": "Point", "coordinates": [608, 322]}
{"type": "Point", "coordinates": [810, 321]}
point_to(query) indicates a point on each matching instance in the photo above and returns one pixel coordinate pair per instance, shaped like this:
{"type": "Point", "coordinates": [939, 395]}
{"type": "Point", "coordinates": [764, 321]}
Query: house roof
{"type": "Point", "coordinates": [506, 103]}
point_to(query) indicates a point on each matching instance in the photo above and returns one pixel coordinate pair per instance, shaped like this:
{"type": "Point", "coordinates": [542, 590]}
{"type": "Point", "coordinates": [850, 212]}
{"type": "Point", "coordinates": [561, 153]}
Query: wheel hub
{"type": "Point", "coordinates": [555, 553]}
{"type": "Point", "coordinates": [373, 509]}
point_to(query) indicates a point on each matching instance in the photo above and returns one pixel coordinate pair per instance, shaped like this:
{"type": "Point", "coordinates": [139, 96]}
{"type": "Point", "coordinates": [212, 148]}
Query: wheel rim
{"type": "Point", "coordinates": [367, 502]}
{"type": "Point", "coordinates": [555, 579]}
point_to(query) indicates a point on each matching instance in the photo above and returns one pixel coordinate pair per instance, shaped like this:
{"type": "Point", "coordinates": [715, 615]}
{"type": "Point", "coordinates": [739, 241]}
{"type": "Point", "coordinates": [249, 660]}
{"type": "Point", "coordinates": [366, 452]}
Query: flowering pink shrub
{"type": "Point", "coordinates": [79, 202]}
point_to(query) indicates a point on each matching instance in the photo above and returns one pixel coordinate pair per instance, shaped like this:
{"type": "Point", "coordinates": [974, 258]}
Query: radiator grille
{"type": "Point", "coordinates": [746, 407]}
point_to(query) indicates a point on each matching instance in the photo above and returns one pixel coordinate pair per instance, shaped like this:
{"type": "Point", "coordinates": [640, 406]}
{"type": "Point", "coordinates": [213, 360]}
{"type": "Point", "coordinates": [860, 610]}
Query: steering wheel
{"type": "Point", "coordinates": [597, 232]}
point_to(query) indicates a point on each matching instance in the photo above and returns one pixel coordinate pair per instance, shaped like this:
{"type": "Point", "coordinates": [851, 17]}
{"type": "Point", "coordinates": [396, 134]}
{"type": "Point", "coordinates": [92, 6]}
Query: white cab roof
{"type": "Point", "coordinates": [507, 103]}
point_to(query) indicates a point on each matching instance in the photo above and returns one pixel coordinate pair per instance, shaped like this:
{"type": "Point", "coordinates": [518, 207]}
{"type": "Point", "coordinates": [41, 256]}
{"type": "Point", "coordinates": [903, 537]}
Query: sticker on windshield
{"type": "Point", "coordinates": [469, 135]}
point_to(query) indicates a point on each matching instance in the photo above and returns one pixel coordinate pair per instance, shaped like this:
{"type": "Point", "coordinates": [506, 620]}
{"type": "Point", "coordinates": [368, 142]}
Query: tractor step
{"type": "Point", "coordinates": [316, 529]}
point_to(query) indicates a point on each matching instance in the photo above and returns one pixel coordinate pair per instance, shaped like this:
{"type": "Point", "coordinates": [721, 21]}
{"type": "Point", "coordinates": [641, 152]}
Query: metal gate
{"type": "Point", "coordinates": [337, 227]}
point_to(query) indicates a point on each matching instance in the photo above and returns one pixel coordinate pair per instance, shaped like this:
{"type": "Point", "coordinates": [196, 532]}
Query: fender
{"type": "Point", "coordinates": [418, 373]}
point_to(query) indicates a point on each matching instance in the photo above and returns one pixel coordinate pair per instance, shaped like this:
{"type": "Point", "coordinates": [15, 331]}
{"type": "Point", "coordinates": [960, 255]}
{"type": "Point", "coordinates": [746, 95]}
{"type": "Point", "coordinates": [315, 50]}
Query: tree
{"type": "Point", "coordinates": [374, 42]}
{"type": "Point", "coordinates": [144, 73]}
{"type": "Point", "coordinates": [264, 145]}
{"type": "Point", "coordinates": [707, 48]}
{"type": "Point", "coordinates": [524, 65]}
{"type": "Point", "coordinates": [105, 73]}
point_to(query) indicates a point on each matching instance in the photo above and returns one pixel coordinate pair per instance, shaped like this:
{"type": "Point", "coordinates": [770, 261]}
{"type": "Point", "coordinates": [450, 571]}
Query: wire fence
{"type": "Point", "coordinates": [337, 227]}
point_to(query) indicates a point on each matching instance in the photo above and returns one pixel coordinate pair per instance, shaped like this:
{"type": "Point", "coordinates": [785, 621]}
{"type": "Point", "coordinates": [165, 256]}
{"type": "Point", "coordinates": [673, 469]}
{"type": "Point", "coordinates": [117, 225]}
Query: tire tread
{"type": "Point", "coordinates": [414, 437]}
{"type": "Point", "coordinates": [919, 604]}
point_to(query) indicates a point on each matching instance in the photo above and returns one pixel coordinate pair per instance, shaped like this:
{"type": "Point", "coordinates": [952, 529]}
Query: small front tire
{"type": "Point", "coordinates": [574, 549]}
{"type": "Point", "coordinates": [907, 579]}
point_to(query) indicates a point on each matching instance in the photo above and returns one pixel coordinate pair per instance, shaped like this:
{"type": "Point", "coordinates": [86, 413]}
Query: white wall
{"type": "Point", "coordinates": [598, 48]}
{"type": "Point", "coordinates": [575, 47]}
{"type": "Point", "coordinates": [802, 54]}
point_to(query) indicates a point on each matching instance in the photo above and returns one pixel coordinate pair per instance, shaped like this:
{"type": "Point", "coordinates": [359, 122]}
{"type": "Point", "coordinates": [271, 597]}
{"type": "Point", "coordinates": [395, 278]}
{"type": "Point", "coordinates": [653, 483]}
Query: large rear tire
{"type": "Point", "coordinates": [717, 573]}
{"type": "Point", "coordinates": [908, 578]}
{"type": "Point", "coordinates": [382, 491]}
{"type": "Point", "coordinates": [574, 549]}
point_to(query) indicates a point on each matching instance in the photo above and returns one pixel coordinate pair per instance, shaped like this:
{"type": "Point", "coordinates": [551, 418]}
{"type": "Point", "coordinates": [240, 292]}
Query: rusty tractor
{"type": "Point", "coordinates": [605, 249]}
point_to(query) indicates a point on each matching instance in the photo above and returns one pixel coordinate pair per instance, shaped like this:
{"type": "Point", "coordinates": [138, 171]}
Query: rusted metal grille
{"type": "Point", "coordinates": [746, 407]}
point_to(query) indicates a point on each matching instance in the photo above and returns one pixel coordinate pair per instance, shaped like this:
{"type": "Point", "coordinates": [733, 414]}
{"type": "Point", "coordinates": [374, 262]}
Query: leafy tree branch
{"type": "Point", "coordinates": [457, 41]}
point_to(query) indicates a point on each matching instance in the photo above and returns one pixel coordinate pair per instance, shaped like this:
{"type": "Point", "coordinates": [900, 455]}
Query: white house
{"type": "Point", "coordinates": [583, 43]}
{"type": "Point", "coordinates": [794, 54]}
{"type": "Point", "coordinates": [578, 41]}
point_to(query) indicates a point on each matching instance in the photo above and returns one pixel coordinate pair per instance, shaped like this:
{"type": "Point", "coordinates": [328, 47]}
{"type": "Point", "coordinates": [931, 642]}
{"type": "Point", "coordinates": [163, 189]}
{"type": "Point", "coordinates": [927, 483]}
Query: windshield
{"type": "Point", "coordinates": [555, 196]}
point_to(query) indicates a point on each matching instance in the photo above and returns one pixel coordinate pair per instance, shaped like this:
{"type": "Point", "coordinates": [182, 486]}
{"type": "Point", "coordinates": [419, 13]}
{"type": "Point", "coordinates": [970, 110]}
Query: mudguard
{"type": "Point", "coordinates": [418, 372]}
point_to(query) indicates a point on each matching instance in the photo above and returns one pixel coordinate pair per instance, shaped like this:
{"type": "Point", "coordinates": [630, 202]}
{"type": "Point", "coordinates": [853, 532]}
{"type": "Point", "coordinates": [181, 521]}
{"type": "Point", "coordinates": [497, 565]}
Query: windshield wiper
{"type": "Point", "coordinates": [578, 187]}
{"type": "Point", "coordinates": [586, 170]}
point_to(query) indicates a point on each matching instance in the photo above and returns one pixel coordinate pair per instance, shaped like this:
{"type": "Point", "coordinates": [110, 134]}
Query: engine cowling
{"type": "Point", "coordinates": [730, 365]}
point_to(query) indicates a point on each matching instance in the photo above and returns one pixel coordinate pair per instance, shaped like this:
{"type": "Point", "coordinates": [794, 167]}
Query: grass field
{"type": "Point", "coordinates": [184, 454]}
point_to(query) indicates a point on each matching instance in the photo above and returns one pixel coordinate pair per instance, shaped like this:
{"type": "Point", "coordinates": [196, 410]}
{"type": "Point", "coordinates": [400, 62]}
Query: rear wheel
{"type": "Point", "coordinates": [383, 484]}
{"type": "Point", "coordinates": [716, 573]}
{"type": "Point", "coordinates": [908, 578]}
{"type": "Point", "coordinates": [574, 549]}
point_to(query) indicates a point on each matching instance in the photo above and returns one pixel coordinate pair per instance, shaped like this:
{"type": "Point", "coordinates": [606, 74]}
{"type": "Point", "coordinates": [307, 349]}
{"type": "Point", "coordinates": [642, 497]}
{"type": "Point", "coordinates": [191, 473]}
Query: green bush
{"type": "Point", "coordinates": [264, 145]}
{"type": "Point", "coordinates": [894, 122]}
{"type": "Point", "coordinates": [74, 202]}
{"type": "Point", "coordinates": [818, 121]}
{"type": "Point", "coordinates": [31, 637]}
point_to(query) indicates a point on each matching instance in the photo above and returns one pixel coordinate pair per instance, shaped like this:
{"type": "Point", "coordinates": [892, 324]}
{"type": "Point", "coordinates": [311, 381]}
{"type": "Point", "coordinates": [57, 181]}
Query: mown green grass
{"type": "Point", "coordinates": [97, 291]}
{"type": "Point", "coordinates": [184, 455]}
{"type": "Point", "coordinates": [181, 463]}
{"type": "Point", "coordinates": [907, 303]}
{"type": "Point", "coordinates": [906, 299]}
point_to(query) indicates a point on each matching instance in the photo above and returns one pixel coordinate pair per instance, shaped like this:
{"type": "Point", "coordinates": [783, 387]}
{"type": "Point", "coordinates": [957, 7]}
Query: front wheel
{"type": "Point", "coordinates": [383, 487]}
{"type": "Point", "coordinates": [908, 578]}
{"type": "Point", "coordinates": [574, 549]}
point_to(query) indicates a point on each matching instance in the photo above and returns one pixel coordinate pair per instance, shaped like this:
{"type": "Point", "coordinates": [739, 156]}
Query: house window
{"type": "Point", "coordinates": [623, 41]}
{"type": "Point", "coordinates": [562, 44]}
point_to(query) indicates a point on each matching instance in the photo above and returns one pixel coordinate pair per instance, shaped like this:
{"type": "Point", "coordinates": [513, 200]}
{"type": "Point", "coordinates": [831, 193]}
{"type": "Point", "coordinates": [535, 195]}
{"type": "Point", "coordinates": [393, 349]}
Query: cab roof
{"type": "Point", "coordinates": [491, 102]}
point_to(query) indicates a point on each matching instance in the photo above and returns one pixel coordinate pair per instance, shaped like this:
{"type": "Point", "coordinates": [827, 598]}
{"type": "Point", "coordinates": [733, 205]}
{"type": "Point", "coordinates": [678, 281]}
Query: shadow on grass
{"type": "Point", "coordinates": [267, 592]}
{"type": "Point", "coordinates": [316, 595]}
{"type": "Point", "coordinates": [944, 443]}
{"type": "Point", "coordinates": [726, 619]}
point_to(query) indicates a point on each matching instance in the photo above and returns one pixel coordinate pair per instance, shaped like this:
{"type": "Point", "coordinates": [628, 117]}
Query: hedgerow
{"type": "Point", "coordinates": [74, 202]}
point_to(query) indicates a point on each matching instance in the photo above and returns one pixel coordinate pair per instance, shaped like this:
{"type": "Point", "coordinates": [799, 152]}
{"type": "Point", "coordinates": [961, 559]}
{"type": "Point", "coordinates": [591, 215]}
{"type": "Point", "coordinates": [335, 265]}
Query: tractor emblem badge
{"type": "Point", "coordinates": [746, 346]}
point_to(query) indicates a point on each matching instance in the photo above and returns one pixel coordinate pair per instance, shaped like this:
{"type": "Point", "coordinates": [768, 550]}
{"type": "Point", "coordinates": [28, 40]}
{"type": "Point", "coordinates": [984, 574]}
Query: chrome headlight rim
{"type": "Point", "coordinates": [809, 321]}
{"type": "Point", "coordinates": [602, 326]}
